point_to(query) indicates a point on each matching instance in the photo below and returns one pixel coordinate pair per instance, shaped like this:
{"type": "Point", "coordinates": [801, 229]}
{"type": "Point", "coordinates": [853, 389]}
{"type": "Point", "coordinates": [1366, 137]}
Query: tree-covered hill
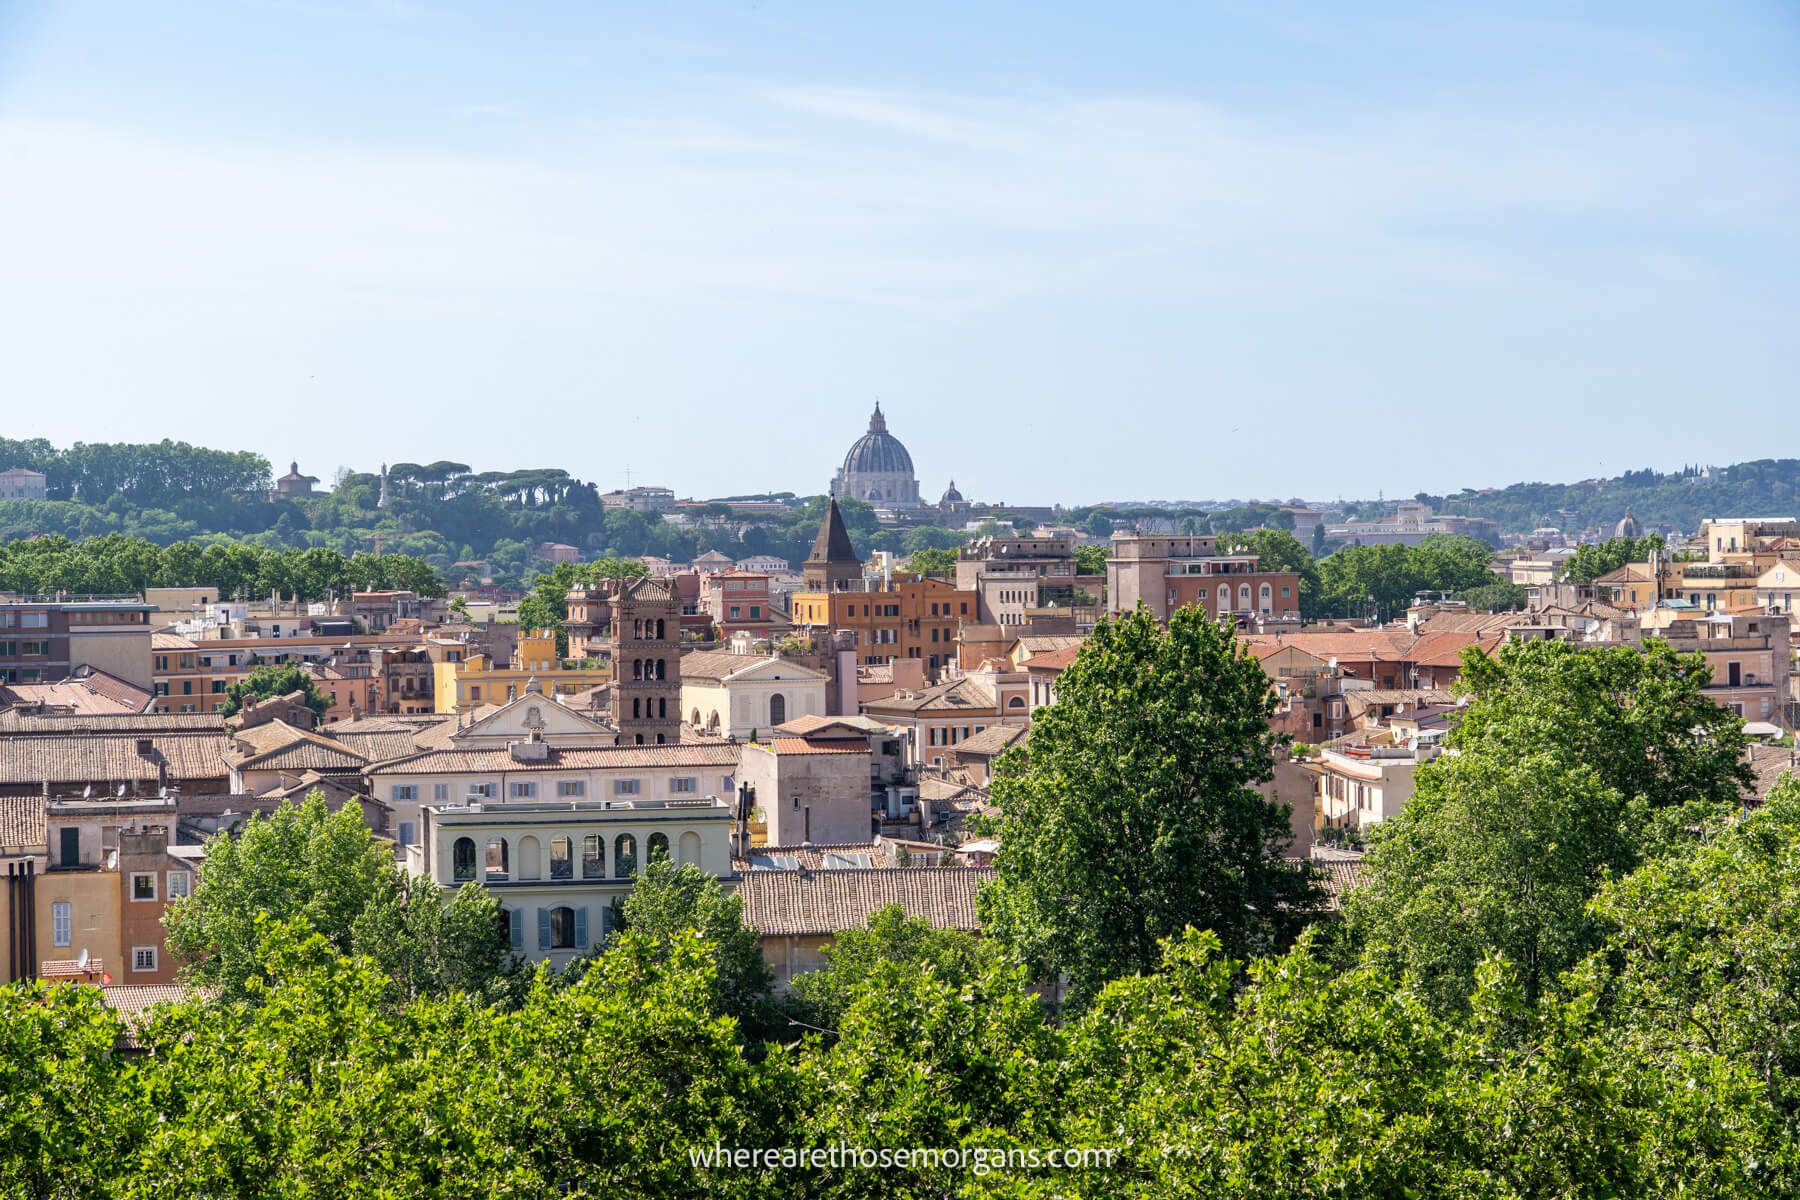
{"type": "Point", "coordinates": [1682, 499]}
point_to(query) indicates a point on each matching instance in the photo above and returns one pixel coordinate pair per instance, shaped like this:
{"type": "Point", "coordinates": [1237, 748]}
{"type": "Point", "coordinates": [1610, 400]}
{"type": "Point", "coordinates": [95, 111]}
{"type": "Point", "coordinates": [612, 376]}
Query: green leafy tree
{"type": "Point", "coordinates": [300, 863]}
{"type": "Point", "coordinates": [1491, 853]}
{"type": "Point", "coordinates": [428, 945]}
{"type": "Point", "coordinates": [669, 902]}
{"type": "Point", "coordinates": [67, 1108]}
{"type": "Point", "coordinates": [1090, 560]}
{"type": "Point", "coordinates": [856, 955]}
{"type": "Point", "coordinates": [932, 562]}
{"type": "Point", "coordinates": [1641, 719]}
{"type": "Point", "coordinates": [274, 680]}
{"type": "Point", "coordinates": [1280, 550]}
{"type": "Point", "coordinates": [1136, 813]}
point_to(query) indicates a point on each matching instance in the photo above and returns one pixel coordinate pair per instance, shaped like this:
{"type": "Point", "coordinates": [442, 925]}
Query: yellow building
{"type": "Point", "coordinates": [475, 681]}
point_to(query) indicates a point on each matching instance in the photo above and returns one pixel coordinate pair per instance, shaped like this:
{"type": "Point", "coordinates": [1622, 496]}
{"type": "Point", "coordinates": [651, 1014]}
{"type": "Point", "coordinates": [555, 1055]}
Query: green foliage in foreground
{"type": "Point", "coordinates": [1662, 1065]}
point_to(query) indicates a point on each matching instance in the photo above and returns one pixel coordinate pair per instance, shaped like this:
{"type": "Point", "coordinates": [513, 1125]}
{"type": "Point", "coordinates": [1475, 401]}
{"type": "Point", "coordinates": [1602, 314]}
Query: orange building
{"type": "Point", "coordinates": [905, 617]}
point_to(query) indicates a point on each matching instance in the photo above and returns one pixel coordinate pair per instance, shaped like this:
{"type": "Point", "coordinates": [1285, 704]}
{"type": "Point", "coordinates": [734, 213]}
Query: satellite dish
{"type": "Point", "coordinates": [82, 962]}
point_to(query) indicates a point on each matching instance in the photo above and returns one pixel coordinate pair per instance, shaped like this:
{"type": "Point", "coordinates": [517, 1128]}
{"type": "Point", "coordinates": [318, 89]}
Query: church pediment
{"type": "Point", "coordinates": [530, 714]}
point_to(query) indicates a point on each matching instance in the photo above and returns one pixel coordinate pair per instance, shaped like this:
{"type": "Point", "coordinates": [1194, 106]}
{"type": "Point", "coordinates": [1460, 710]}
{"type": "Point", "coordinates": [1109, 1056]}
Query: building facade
{"type": "Point", "coordinates": [1169, 572]}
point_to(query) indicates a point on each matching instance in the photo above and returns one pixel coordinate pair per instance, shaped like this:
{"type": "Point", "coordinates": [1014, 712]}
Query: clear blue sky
{"type": "Point", "coordinates": [1079, 251]}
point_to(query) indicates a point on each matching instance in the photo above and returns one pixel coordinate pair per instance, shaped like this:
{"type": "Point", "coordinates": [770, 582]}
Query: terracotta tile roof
{"type": "Point", "coordinates": [1053, 660]}
{"type": "Point", "coordinates": [1342, 872]}
{"type": "Point", "coordinates": [1768, 764]}
{"type": "Point", "coordinates": [681, 754]}
{"type": "Point", "coordinates": [22, 824]}
{"type": "Point", "coordinates": [280, 746]}
{"type": "Point", "coordinates": [16, 724]}
{"type": "Point", "coordinates": [135, 999]}
{"type": "Point", "coordinates": [1034, 644]}
{"type": "Point", "coordinates": [715, 664]}
{"type": "Point", "coordinates": [800, 745]}
{"type": "Point", "coordinates": [1468, 622]}
{"type": "Point", "coordinates": [810, 722]}
{"type": "Point", "coordinates": [112, 758]}
{"type": "Point", "coordinates": [989, 741]}
{"type": "Point", "coordinates": [71, 968]}
{"type": "Point", "coordinates": [802, 903]}
{"type": "Point", "coordinates": [164, 640]}
{"type": "Point", "coordinates": [956, 695]}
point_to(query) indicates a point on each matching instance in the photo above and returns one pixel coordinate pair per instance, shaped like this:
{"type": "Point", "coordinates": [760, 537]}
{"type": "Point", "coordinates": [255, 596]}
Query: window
{"type": "Point", "coordinates": [143, 885]}
{"type": "Point", "coordinates": [143, 958]}
{"type": "Point", "coordinates": [777, 709]}
{"type": "Point", "coordinates": [440, 791]}
{"type": "Point", "coordinates": [624, 856]}
{"type": "Point", "coordinates": [562, 858]}
{"type": "Point", "coordinates": [462, 860]}
{"type": "Point", "coordinates": [62, 923]}
{"type": "Point", "coordinates": [658, 846]}
{"type": "Point", "coordinates": [179, 888]}
{"type": "Point", "coordinates": [625, 787]}
{"type": "Point", "coordinates": [497, 864]}
{"type": "Point", "coordinates": [404, 791]}
{"type": "Point", "coordinates": [685, 785]}
{"type": "Point", "coordinates": [562, 928]}
{"type": "Point", "coordinates": [484, 791]}
{"type": "Point", "coordinates": [567, 788]}
{"type": "Point", "coordinates": [523, 789]}
{"type": "Point", "coordinates": [756, 612]}
{"type": "Point", "coordinates": [409, 833]}
{"type": "Point", "coordinates": [593, 857]}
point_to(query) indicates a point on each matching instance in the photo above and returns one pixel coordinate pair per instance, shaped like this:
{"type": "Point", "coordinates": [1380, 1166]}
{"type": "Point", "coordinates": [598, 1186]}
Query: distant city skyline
{"type": "Point", "coordinates": [1077, 253]}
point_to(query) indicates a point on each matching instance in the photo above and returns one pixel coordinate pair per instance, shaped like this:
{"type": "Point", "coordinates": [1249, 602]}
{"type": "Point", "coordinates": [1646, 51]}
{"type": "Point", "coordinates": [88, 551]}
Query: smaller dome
{"type": "Point", "coordinates": [1627, 526]}
{"type": "Point", "coordinates": [951, 495]}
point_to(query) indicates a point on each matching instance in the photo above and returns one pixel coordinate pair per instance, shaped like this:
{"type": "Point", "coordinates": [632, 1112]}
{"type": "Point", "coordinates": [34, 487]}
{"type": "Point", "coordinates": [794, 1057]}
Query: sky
{"type": "Point", "coordinates": [1078, 251]}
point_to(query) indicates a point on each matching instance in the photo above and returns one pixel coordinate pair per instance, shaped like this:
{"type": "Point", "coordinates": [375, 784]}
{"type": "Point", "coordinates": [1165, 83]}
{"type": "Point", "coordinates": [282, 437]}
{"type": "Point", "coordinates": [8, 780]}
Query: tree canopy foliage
{"type": "Point", "coordinates": [1130, 819]}
{"type": "Point", "coordinates": [274, 679]}
{"type": "Point", "coordinates": [113, 564]}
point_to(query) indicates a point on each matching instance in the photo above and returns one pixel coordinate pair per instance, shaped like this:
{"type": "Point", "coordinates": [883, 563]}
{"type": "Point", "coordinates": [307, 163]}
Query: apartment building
{"type": "Point", "coordinates": [42, 639]}
{"type": "Point", "coordinates": [558, 868]}
{"type": "Point", "coordinates": [1169, 572]}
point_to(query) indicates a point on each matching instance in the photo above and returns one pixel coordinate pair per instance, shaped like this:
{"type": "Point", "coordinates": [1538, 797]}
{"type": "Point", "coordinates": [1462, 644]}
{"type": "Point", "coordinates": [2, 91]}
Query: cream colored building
{"type": "Point", "coordinates": [536, 751]}
{"type": "Point", "coordinates": [741, 694]}
{"type": "Point", "coordinates": [559, 869]}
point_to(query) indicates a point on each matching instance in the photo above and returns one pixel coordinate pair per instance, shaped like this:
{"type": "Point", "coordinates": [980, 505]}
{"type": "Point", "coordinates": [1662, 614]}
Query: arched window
{"type": "Point", "coordinates": [530, 858]}
{"type": "Point", "coordinates": [1243, 595]}
{"type": "Point", "coordinates": [637, 668]}
{"type": "Point", "coordinates": [624, 856]}
{"type": "Point", "coordinates": [636, 708]}
{"type": "Point", "coordinates": [661, 666]}
{"type": "Point", "coordinates": [562, 858]}
{"type": "Point", "coordinates": [658, 846]}
{"type": "Point", "coordinates": [696, 721]}
{"type": "Point", "coordinates": [1266, 595]}
{"type": "Point", "coordinates": [688, 850]}
{"type": "Point", "coordinates": [1016, 702]}
{"type": "Point", "coordinates": [562, 928]}
{"type": "Point", "coordinates": [497, 859]}
{"type": "Point", "coordinates": [593, 856]}
{"type": "Point", "coordinates": [462, 860]}
{"type": "Point", "coordinates": [662, 708]}
{"type": "Point", "coordinates": [659, 632]}
{"type": "Point", "coordinates": [777, 709]}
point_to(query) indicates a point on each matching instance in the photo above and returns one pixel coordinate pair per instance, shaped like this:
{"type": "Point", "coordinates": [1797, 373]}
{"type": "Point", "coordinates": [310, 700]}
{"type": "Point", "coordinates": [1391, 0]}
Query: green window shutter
{"type": "Point", "coordinates": [543, 928]}
{"type": "Point", "coordinates": [581, 936]}
{"type": "Point", "coordinates": [517, 916]}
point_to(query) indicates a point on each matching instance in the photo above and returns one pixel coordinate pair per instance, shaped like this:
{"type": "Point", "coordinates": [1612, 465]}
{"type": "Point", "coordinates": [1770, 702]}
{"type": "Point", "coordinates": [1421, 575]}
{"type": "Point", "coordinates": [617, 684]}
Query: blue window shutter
{"type": "Point", "coordinates": [518, 928]}
{"type": "Point", "coordinates": [543, 929]}
{"type": "Point", "coordinates": [581, 938]}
